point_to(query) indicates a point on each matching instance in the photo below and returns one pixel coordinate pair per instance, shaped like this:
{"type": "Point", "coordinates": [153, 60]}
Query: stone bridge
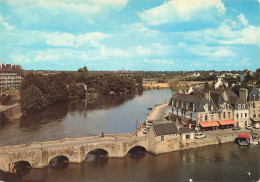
{"type": "Point", "coordinates": [39, 154]}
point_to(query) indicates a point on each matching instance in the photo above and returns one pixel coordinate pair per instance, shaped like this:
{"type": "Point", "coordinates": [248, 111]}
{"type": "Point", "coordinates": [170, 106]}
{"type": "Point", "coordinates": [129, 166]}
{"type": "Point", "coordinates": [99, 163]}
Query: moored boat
{"type": "Point", "coordinates": [243, 139]}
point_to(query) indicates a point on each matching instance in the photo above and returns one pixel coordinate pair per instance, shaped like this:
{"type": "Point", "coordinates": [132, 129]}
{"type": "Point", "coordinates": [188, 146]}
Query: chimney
{"type": "Point", "coordinates": [243, 94]}
{"type": "Point", "coordinates": [207, 95]}
{"type": "Point", "coordinates": [225, 96]}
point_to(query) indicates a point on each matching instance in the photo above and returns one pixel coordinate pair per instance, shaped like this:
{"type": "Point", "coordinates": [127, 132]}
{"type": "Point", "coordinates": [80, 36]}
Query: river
{"type": "Point", "coordinates": [108, 114]}
{"type": "Point", "coordinates": [118, 114]}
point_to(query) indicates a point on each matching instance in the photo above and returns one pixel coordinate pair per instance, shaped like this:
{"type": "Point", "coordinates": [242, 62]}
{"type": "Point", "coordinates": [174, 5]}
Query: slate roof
{"type": "Point", "coordinates": [191, 98]}
{"type": "Point", "coordinates": [199, 100]}
{"type": "Point", "coordinates": [185, 130]}
{"type": "Point", "coordinates": [253, 91]}
{"type": "Point", "coordinates": [165, 129]}
{"type": "Point", "coordinates": [7, 69]}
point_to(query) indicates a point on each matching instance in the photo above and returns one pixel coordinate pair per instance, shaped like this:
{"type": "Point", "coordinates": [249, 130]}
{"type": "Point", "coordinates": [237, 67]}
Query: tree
{"type": "Point", "coordinates": [32, 99]}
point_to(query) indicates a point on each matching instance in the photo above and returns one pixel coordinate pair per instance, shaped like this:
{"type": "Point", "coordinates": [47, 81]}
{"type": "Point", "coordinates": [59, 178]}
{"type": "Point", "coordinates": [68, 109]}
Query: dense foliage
{"type": "Point", "coordinates": [39, 90]}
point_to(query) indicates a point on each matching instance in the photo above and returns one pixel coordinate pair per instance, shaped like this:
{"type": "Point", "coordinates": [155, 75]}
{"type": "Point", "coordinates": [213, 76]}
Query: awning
{"type": "Point", "coordinates": [226, 122]}
{"type": "Point", "coordinates": [257, 120]}
{"type": "Point", "coordinates": [243, 136]}
{"type": "Point", "coordinates": [209, 124]}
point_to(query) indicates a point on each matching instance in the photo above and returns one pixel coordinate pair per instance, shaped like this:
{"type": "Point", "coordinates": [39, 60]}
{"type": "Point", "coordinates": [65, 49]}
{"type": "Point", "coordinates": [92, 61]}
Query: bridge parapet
{"type": "Point", "coordinates": [39, 154]}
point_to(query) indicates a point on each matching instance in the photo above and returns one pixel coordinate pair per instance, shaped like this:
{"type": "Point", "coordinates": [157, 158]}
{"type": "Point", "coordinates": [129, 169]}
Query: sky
{"type": "Point", "coordinates": [148, 35]}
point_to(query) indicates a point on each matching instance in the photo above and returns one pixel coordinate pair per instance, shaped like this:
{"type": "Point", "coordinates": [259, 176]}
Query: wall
{"type": "Point", "coordinates": [241, 120]}
{"type": "Point", "coordinates": [10, 112]}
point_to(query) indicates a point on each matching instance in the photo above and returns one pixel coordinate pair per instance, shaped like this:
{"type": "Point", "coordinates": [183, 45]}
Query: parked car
{"type": "Point", "coordinates": [150, 121]}
{"type": "Point", "coordinates": [200, 135]}
{"type": "Point", "coordinates": [145, 131]}
{"type": "Point", "coordinates": [235, 128]}
{"type": "Point", "coordinates": [249, 127]}
{"type": "Point", "coordinates": [256, 126]}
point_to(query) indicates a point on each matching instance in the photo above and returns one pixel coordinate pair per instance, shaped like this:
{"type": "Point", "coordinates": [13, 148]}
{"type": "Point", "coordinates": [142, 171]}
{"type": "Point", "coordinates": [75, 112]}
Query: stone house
{"type": "Point", "coordinates": [221, 82]}
{"type": "Point", "coordinates": [163, 138]}
{"type": "Point", "coordinates": [191, 108]}
{"type": "Point", "coordinates": [187, 135]}
{"type": "Point", "coordinates": [251, 95]}
{"type": "Point", "coordinates": [206, 108]}
{"type": "Point", "coordinates": [254, 104]}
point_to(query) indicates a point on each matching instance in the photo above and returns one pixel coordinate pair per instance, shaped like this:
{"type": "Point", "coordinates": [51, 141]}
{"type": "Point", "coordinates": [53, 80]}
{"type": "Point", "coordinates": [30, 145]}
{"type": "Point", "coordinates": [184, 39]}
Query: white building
{"type": "Point", "coordinates": [9, 77]}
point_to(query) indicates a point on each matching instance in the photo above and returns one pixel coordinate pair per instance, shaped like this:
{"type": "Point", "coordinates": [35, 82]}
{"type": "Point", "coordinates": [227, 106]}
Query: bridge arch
{"type": "Point", "coordinates": [136, 148]}
{"type": "Point", "coordinates": [22, 164]}
{"type": "Point", "coordinates": [21, 167]}
{"type": "Point", "coordinates": [59, 161]}
{"type": "Point", "coordinates": [97, 154]}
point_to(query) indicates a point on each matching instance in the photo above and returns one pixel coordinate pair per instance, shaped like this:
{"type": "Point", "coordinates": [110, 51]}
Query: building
{"type": "Point", "coordinates": [221, 83]}
{"type": "Point", "coordinates": [254, 104]}
{"type": "Point", "coordinates": [187, 135]}
{"type": "Point", "coordinates": [191, 108]}
{"type": "Point", "coordinates": [163, 138]}
{"type": "Point", "coordinates": [9, 77]}
{"type": "Point", "coordinates": [209, 109]}
{"type": "Point", "coordinates": [251, 96]}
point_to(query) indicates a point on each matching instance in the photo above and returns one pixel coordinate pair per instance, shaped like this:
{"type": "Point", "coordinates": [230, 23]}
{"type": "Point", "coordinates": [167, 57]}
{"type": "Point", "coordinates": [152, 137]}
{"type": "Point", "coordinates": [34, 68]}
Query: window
{"type": "Point", "coordinates": [162, 138]}
{"type": "Point", "coordinates": [243, 106]}
{"type": "Point", "coordinates": [200, 118]}
{"type": "Point", "coordinates": [241, 115]}
{"type": "Point", "coordinates": [219, 115]}
{"type": "Point", "coordinates": [245, 115]}
{"type": "Point", "coordinates": [237, 116]}
{"type": "Point", "coordinates": [187, 137]}
{"type": "Point", "coordinates": [211, 118]}
{"type": "Point", "coordinates": [206, 117]}
{"type": "Point", "coordinates": [253, 105]}
{"type": "Point", "coordinates": [253, 97]}
{"type": "Point", "coordinates": [239, 106]}
{"type": "Point", "coordinates": [229, 115]}
{"type": "Point", "coordinates": [224, 115]}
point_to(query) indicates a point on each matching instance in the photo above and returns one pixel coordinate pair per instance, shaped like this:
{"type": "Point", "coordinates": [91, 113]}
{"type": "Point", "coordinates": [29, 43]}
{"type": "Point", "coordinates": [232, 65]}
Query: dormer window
{"type": "Point", "coordinates": [243, 106]}
{"type": "Point", "coordinates": [239, 106]}
{"type": "Point", "coordinates": [253, 97]}
{"type": "Point", "coordinates": [227, 106]}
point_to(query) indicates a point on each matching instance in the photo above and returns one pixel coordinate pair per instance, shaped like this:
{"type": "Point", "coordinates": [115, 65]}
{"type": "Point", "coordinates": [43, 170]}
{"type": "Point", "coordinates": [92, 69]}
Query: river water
{"type": "Point", "coordinates": [108, 114]}
{"type": "Point", "coordinates": [118, 114]}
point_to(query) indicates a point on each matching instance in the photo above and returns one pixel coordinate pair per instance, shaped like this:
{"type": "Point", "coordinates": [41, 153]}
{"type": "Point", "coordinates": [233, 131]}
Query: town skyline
{"type": "Point", "coordinates": [169, 35]}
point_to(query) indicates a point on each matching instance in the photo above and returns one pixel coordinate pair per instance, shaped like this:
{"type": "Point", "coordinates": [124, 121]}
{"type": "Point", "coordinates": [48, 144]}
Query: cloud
{"type": "Point", "coordinates": [242, 19]}
{"type": "Point", "coordinates": [71, 40]}
{"type": "Point", "coordinates": [182, 10]}
{"type": "Point", "coordinates": [83, 6]}
{"type": "Point", "coordinates": [247, 36]}
{"type": "Point", "coordinates": [4, 24]}
{"type": "Point", "coordinates": [210, 51]}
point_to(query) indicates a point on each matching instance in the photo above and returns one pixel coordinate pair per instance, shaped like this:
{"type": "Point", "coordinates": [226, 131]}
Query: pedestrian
{"type": "Point", "coordinates": [102, 134]}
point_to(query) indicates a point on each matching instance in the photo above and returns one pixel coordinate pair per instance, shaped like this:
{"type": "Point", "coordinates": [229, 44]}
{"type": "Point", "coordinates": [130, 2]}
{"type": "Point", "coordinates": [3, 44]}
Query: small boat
{"type": "Point", "coordinates": [149, 108]}
{"type": "Point", "coordinates": [243, 139]}
{"type": "Point", "coordinates": [253, 141]}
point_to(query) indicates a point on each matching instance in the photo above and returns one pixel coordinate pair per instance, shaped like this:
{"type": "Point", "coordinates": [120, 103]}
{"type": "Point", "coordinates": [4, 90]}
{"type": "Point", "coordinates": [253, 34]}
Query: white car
{"type": "Point", "coordinates": [200, 135]}
{"type": "Point", "coordinates": [145, 131]}
{"type": "Point", "coordinates": [249, 127]}
{"type": "Point", "coordinates": [256, 126]}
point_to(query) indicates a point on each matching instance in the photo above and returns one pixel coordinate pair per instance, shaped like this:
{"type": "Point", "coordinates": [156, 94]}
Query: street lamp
{"type": "Point", "coordinates": [249, 174]}
{"type": "Point", "coordinates": [136, 127]}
